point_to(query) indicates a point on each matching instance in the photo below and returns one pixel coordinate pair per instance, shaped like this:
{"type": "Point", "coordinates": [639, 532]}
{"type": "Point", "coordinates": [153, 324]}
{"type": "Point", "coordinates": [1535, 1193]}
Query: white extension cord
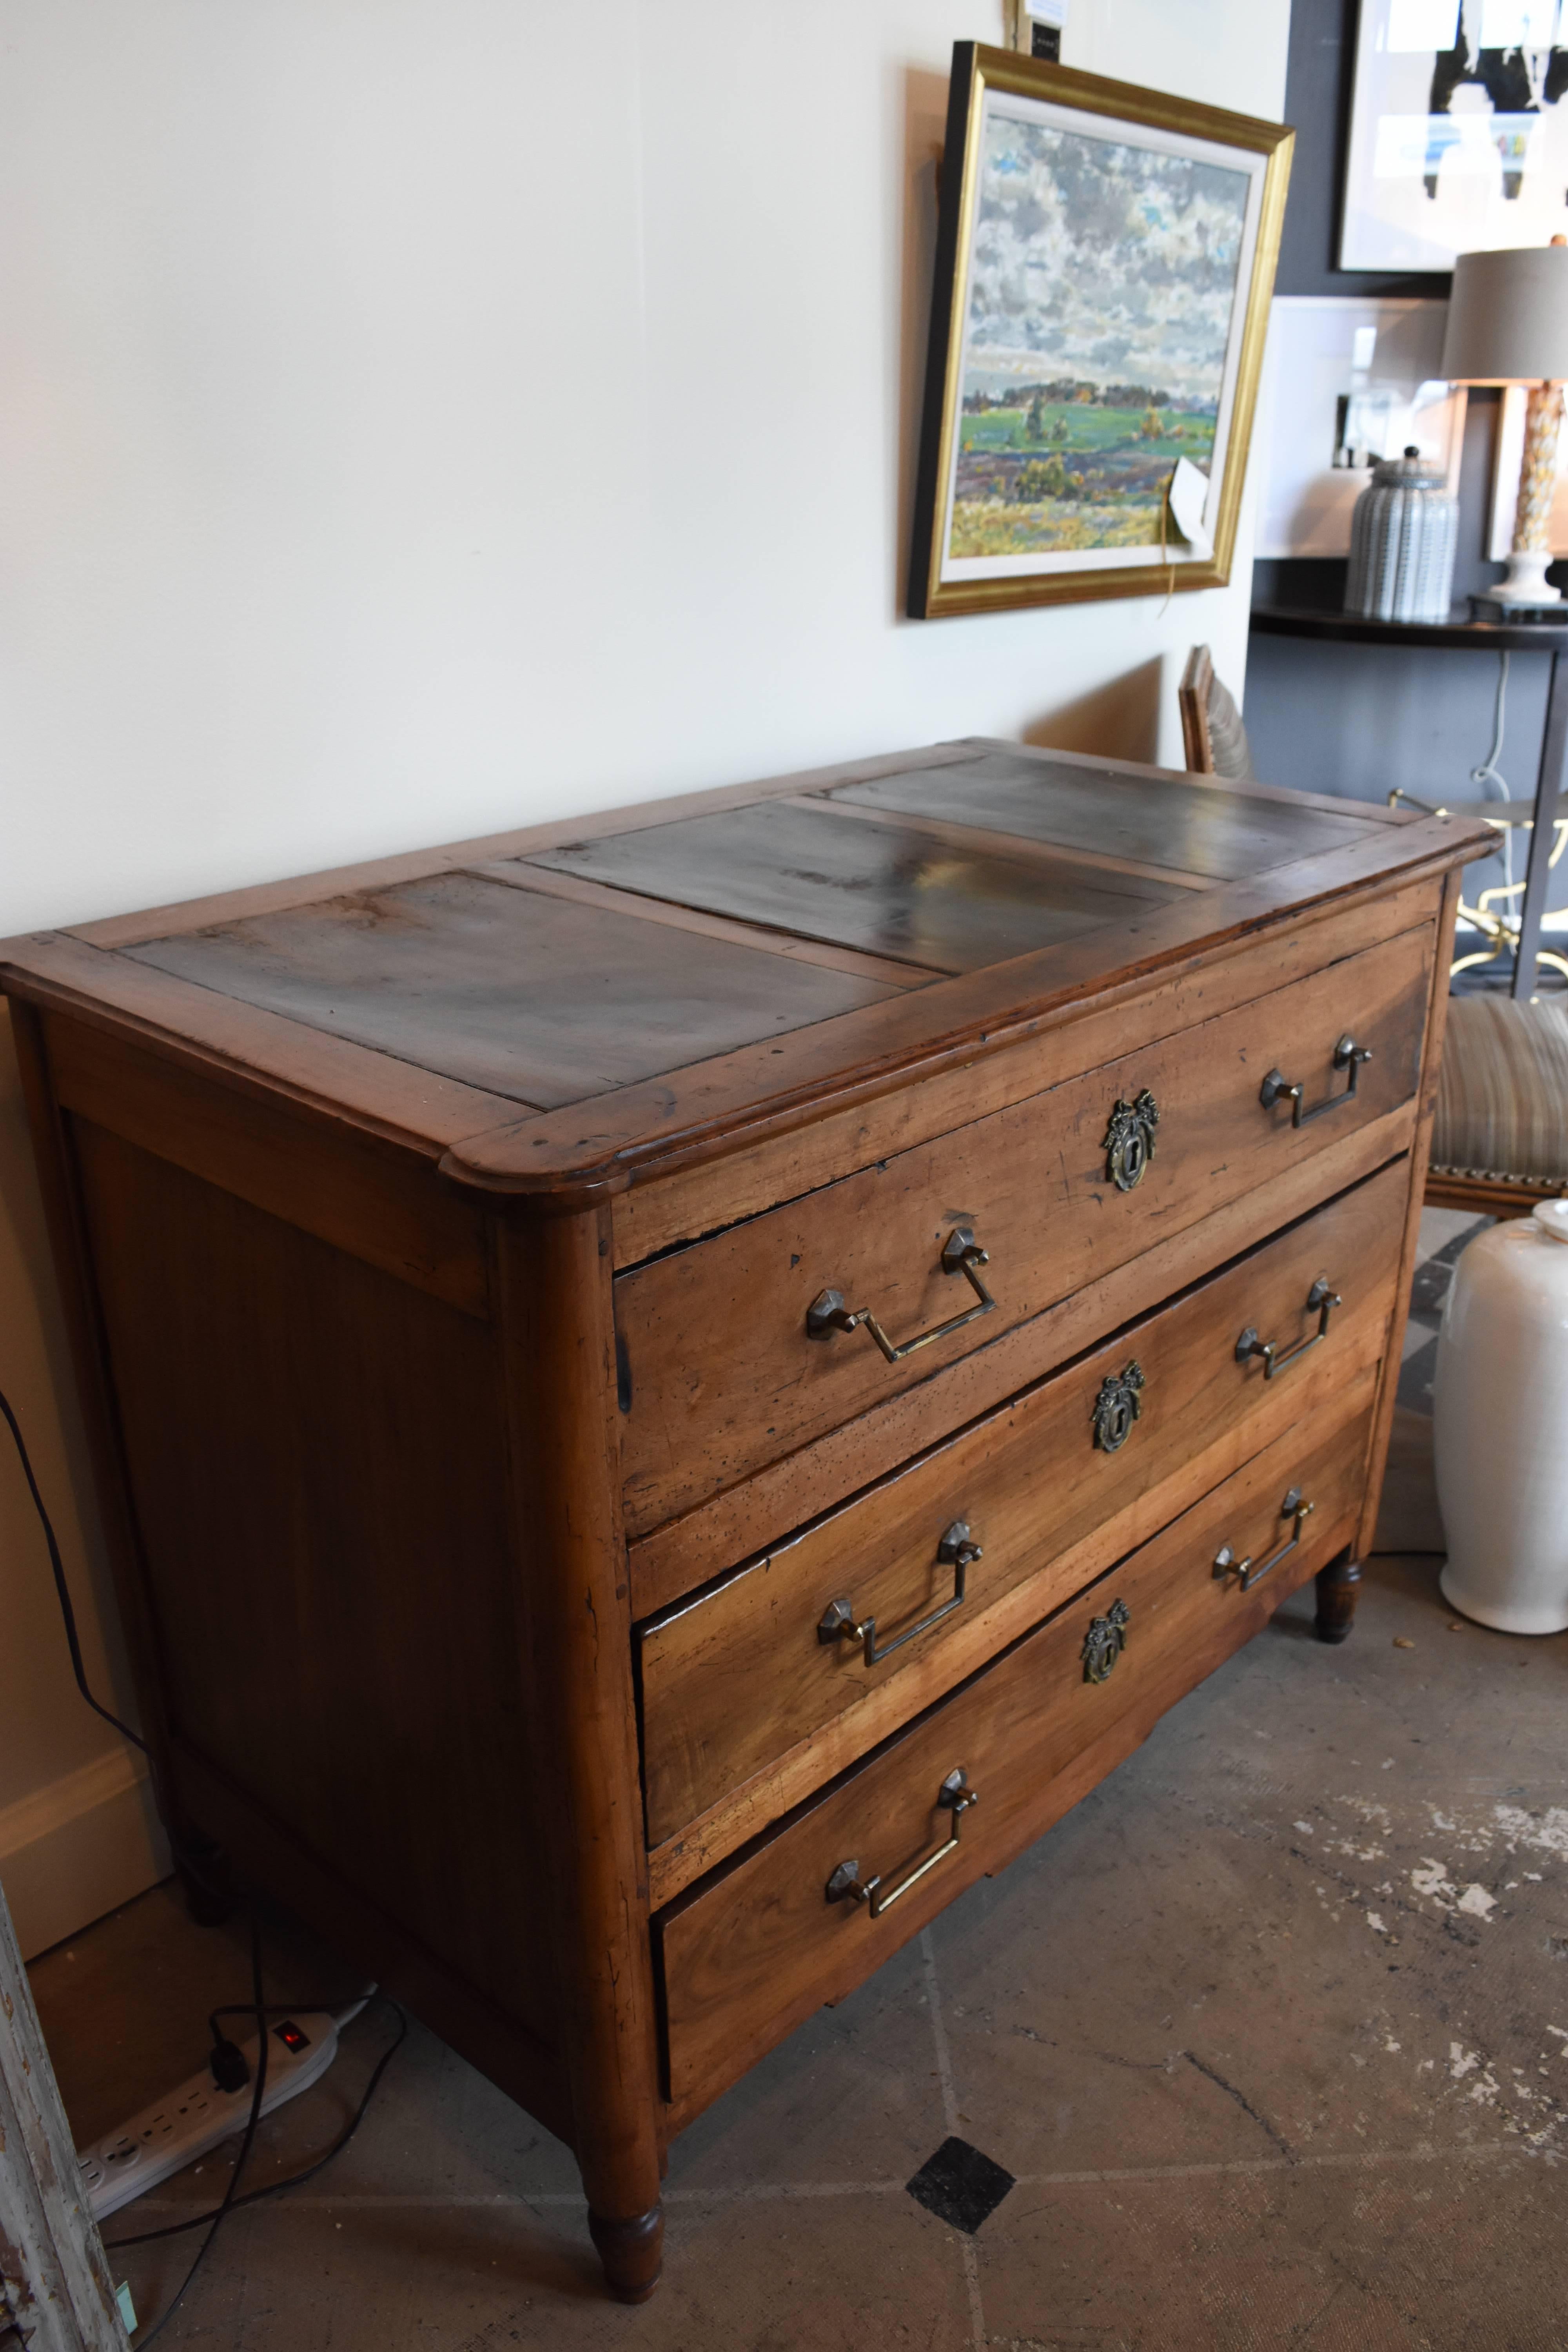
{"type": "Point", "coordinates": [172, 2133]}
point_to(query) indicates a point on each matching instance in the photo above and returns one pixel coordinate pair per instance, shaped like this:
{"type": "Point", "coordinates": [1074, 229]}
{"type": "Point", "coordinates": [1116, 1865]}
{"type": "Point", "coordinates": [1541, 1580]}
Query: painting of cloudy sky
{"type": "Point", "coordinates": [1102, 287]}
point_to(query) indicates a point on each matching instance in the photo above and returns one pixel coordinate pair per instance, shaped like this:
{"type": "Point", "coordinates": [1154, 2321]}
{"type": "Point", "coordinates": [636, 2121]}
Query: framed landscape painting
{"type": "Point", "coordinates": [1105, 257]}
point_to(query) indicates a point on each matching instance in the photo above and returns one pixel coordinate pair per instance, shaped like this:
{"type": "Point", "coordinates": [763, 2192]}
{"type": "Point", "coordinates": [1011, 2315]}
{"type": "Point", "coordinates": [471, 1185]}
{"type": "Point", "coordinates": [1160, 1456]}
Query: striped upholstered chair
{"type": "Point", "coordinates": [1500, 1140]}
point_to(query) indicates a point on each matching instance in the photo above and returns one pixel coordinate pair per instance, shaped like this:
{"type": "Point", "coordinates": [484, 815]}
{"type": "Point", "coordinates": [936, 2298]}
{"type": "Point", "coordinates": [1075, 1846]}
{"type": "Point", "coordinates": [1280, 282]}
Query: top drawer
{"type": "Point", "coordinates": [723, 1370]}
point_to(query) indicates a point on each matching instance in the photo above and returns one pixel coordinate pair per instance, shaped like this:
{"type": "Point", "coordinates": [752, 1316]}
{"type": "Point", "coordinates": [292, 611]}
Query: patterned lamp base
{"type": "Point", "coordinates": [1525, 581]}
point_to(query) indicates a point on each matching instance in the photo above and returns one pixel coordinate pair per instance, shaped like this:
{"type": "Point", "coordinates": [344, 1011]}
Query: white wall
{"type": "Point", "coordinates": [424, 416]}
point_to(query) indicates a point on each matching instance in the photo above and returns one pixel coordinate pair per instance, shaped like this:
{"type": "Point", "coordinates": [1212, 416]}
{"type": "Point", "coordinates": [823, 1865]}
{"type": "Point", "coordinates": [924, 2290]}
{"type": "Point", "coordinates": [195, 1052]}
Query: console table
{"type": "Point", "coordinates": [668, 1390]}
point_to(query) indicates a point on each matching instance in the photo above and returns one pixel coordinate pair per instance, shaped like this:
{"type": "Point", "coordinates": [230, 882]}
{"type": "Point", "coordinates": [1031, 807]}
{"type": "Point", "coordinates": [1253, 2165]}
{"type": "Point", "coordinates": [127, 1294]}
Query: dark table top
{"type": "Point", "coordinates": [1459, 629]}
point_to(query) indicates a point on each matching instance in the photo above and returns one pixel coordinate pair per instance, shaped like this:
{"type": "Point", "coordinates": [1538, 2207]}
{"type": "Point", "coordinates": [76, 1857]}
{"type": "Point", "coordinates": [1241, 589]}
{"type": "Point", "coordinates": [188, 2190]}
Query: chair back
{"type": "Point", "coordinates": [1212, 734]}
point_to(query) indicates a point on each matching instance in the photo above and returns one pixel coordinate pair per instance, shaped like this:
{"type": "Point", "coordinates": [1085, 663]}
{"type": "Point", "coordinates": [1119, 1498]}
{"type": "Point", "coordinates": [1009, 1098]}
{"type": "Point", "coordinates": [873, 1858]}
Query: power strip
{"type": "Point", "coordinates": [166, 2137]}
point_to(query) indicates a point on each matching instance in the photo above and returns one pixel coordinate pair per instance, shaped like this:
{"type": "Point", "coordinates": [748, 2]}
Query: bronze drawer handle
{"type": "Point", "coordinates": [955, 1797]}
{"type": "Point", "coordinates": [839, 1618]}
{"type": "Point", "coordinates": [961, 1254]}
{"type": "Point", "coordinates": [1226, 1562]}
{"type": "Point", "coordinates": [1277, 1086]}
{"type": "Point", "coordinates": [1321, 1302]}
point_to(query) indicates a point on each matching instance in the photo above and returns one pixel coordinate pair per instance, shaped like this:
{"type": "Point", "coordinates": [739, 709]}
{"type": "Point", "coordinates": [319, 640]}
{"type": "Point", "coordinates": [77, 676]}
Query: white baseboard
{"type": "Point", "coordinates": [76, 1849]}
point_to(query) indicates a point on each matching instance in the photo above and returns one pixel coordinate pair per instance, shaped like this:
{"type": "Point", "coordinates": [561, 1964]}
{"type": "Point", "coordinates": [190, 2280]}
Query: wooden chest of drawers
{"type": "Point", "coordinates": [669, 1391]}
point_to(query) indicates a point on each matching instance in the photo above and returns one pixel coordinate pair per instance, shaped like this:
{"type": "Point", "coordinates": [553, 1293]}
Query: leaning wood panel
{"type": "Point", "coordinates": [56, 2293]}
{"type": "Point", "coordinates": [754, 1950]}
{"type": "Point", "coordinates": [317, 1463]}
{"type": "Point", "coordinates": [723, 1371]}
{"type": "Point", "coordinates": [740, 1673]}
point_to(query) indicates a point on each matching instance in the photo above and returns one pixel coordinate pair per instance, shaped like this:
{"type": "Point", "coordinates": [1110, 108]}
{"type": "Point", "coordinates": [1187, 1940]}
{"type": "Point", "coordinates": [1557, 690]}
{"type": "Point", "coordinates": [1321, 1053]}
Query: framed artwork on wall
{"type": "Point", "coordinates": [1459, 131]}
{"type": "Point", "coordinates": [1105, 256]}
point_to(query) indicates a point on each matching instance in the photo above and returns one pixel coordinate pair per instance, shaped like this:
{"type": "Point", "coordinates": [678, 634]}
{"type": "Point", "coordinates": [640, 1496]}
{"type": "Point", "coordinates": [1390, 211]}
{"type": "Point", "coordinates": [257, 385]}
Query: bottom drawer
{"type": "Point", "coordinates": [754, 1949]}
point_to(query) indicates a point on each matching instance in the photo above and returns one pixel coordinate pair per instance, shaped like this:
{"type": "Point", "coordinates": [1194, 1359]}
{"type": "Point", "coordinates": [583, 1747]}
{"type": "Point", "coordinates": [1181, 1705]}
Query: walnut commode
{"type": "Point", "coordinates": [669, 1391]}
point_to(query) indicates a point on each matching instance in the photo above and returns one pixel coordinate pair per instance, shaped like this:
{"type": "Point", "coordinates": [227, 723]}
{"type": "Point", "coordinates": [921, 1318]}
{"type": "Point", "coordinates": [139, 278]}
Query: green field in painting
{"type": "Point", "coordinates": [1050, 526]}
{"type": "Point", "coordinates": [1090, 431]}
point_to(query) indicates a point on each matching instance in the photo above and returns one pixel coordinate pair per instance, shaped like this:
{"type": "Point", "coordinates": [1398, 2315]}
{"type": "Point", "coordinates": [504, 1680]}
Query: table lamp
{"type": "Point", "coordinates": [1508, 323]}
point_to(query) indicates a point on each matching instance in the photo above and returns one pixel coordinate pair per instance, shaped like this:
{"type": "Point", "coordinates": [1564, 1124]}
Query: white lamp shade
{"type": "Point", "coordinates": [1508, 319]}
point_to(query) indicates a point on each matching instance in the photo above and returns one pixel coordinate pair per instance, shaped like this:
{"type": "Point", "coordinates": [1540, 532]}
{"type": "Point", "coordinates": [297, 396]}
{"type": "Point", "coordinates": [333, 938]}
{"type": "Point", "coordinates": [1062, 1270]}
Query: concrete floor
{"type": "Point", "coordinates": [1271, 2032]}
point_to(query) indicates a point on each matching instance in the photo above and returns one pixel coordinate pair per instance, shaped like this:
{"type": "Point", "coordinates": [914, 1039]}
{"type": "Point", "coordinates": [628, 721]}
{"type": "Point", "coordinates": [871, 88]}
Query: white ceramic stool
{"type": "Point", "coordinates": [1500, 1425]}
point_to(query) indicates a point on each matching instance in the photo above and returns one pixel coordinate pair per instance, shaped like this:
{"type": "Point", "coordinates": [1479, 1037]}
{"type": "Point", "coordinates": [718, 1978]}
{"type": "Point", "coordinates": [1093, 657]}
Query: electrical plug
{"type": "Point", "coordinates": [230, 2070]}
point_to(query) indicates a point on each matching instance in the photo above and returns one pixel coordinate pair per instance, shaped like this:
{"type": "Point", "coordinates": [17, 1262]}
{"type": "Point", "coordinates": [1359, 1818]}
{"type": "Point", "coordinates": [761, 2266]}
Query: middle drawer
{"type": "Point", "coordinates": [802, 1659]}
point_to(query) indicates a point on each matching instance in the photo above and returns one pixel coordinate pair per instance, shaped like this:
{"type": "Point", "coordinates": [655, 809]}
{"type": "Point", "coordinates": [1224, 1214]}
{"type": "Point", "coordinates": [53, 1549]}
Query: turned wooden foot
{"type": "Point", "coordinates": [632, 2252]}
{"type": "Point", "coordinates": [1337, 1587]}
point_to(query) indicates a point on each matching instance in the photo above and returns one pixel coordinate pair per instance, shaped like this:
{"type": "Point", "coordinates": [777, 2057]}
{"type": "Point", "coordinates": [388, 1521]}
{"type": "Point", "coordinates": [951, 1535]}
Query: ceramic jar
{"type": "Point", "coordinates": [1500, 1425]}
{"type": "Point", "coordinates": [1404, 534]}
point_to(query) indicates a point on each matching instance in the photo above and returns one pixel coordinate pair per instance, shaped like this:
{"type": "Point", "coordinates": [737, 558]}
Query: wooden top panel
{"type": "Point", "coordinates": [890, 890]}
{"type": "Point", "coordinates": [1195, 829]}
{"type": "Point", "coordinates": [522, 994]}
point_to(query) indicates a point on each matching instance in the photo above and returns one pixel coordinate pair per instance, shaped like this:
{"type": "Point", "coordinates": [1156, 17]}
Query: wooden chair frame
{"type": "Point", "coordinates": [1193, 699]}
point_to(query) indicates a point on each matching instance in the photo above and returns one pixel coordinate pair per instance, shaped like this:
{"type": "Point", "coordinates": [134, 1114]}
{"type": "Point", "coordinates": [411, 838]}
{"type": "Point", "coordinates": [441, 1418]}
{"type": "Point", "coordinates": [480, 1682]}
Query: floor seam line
{"type": "Point", "coordinates": [764, 2192]}
{"type": "Point", "coordinates": [949, 2112]}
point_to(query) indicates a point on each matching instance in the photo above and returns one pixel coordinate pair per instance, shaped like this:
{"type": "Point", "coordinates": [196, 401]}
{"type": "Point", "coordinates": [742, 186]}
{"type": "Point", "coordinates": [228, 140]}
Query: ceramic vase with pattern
{"type": "Point", "coordinates": [1404, 536]}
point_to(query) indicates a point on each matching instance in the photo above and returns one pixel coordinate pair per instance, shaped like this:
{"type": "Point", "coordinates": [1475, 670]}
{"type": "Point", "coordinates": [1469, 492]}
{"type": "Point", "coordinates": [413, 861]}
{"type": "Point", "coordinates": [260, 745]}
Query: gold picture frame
{"type": "Point", "coordinates": [1062, 192]}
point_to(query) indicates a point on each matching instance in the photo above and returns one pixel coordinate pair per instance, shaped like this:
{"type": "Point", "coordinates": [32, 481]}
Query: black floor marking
{"type": "Point", "coordinates": [960, 2186]}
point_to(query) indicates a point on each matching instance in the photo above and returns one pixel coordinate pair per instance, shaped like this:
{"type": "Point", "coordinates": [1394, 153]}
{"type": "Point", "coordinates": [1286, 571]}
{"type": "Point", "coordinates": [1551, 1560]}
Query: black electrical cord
{"type": "Point", "coordinates": [276, 2188]}
{"type": "Point", "coordinates": [221, 2212]}
{"type": "Point", "coordinates": [62, 1589]}
{"type": "Point", "coordinates": [193, 1863]}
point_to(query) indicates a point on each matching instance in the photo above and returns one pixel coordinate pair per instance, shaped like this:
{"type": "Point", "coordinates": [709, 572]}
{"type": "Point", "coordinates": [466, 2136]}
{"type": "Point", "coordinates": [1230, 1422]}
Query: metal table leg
{"type": "Point", "coordinates": [1548, 793]}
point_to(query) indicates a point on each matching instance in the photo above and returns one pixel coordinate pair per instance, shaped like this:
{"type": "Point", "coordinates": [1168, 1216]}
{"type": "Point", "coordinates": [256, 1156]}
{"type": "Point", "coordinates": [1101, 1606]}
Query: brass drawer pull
{"type": "Point", "coordinates": [1226, 1562]}
{"type": "Point", "coordinates": [961, 1254]}
{"type": "Point", "coordinates": [839, 1618]}
{"type": "Point", "coordinates": [1277, 1086]}
{"type": "Point", "coordinates": [1321, 1302]}
{"type": "Point", "coordinates": [1104, 1643]}
{"type": "Point", "coordinates": [955, 1797]}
